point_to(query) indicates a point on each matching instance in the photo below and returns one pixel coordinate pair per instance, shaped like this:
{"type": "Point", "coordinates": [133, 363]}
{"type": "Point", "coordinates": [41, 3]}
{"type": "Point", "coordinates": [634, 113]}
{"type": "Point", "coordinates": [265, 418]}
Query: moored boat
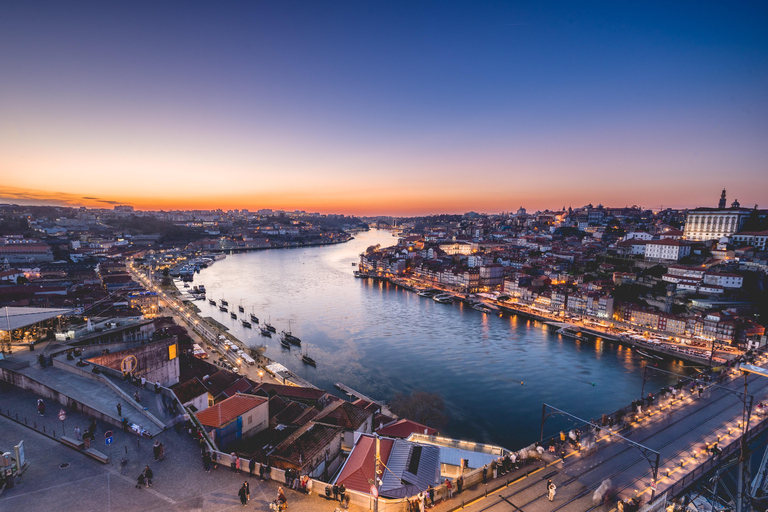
{"type": "Point", "coordinates": [308, 360]}
{"type": "Point", "coordinates": [265, 332]}
{"type": "Point", "coordinates": [233, 315]}
{"type": "Point", "coordinates": [223, 308]}
{"type": "Point", "coordinates": [285, 343]}
{"type": "Point", "coordinates": [254, 318]}
{"type": "Point", "coordinates": [211, 302]}
{"type": "Point", "coordinates": [246, 323]}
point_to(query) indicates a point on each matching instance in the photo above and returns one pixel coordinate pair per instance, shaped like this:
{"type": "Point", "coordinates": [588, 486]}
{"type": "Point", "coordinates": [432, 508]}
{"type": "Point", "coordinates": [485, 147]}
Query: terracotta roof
{"type": "Point", "coordinates": [219, 381]}
{"type": "Point", "coordinates": [228, 410]}
{"type": "Point", "coordinates": [306, 443]}
{"type": "Point", "coordinates": [189, 390]}
{"type": "Point", "coordinates": [359, 468]}
{"type": "Point", "coordinates": [403, 428]}
{"type": "Point", "coordinates": [295, 392]}
{"type": "Point", "coordinates": [344, 414]}
{"type": "Point", "coordinates": [239, 386]}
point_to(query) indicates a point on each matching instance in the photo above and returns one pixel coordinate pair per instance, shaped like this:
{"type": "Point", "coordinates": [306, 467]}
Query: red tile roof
{"type": "Point", "coordinates": [359, 468]}
{"type": "Point", "coordinates": [228, 410]}
{"type": "Point", "coordinates": [403, 428]}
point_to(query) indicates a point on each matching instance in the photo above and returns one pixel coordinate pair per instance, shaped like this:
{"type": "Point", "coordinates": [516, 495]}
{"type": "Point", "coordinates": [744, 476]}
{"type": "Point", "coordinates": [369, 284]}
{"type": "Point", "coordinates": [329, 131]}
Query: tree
{"type": "Point", "coordinates": [422, 407]}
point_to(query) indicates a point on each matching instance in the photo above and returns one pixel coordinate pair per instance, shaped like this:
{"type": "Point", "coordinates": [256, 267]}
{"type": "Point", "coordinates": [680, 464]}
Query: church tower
{"type": "Point", "coordinates": [721, 205]}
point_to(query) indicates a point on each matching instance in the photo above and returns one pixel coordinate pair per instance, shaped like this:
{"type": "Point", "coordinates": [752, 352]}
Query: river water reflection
{"type": "Point", "coordinates": [493, 372]}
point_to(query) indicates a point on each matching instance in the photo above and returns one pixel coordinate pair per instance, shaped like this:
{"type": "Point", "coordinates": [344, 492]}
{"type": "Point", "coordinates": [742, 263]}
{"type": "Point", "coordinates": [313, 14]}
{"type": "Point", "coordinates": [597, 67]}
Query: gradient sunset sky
{"type": "Point", "coordinates": [383, 107]}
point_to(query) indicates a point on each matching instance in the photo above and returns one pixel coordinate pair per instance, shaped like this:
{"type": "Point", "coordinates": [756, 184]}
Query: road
{"type": "Point", "coordinates": [676, 429]}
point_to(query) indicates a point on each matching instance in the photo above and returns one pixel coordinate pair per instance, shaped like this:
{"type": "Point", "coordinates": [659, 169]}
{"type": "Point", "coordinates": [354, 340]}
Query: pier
{"type": "Point", "coordinates": [351, 392]}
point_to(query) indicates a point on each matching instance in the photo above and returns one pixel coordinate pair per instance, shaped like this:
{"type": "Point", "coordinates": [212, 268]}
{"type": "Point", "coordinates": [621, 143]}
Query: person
{"type": "Point", "coordinates": [513, 460]}
{"type": "Point", "coordinates": [449, 487]}
{"type": "Point", "coordinates": [431, 495]}
{"type": "Point", "coordinates": [422, 501]}
{"type": "Point", "coordinates": [232, 461]}
{"type": "Point", "coordinates": [87, 439]}
{"type": "Point", "coordinates": [140, 481]}
{"type": "Point", "coordinates": [237, 464]}
{"type": "Point", "coordinates": [485, 473]}
{"type": "Point", "coordinates": [40, 407]}
{"type": "Point", "coordinates": [143, 383]}
{"type": "Point", "coordinates": [77, 433]}
{"type": "Point", "coordinates": [251, 465]}
{"type": "Point", "coordinates": [156, 450]}
{"type": "Point", "coordinates": [459, 484]}
{"type": "Point", "coordinates": [261, 471]}
{"type": "Point", "coordinates": [247, 490]}
{"type": "Point", "coordinates": [281, 499]}
{"type": "Point", "coordinates": [335, 492]}
{"type": "Point", "coordinates": [161, 451]}
{"type": "Point", "coordinates": [551, 490]}
{"type": "Point", "coordinates": [119, 409]}
{"type": "Point", "coordinates": [243, 497]}
{"type": "Point", "coordinates": [148, 475]}
{"type": "Point", "coordinates": [137, 397]}
{"type": "Point", "coordinates": [157, 387]}
{"type": "Point", "coordinates": [342, 492]}
{"type": "Point", "coordinates": [124, 423]}
{"type": "Point", "coordinates": [215, 460]}
{"type": "Point", "coordinates": [207, 462]}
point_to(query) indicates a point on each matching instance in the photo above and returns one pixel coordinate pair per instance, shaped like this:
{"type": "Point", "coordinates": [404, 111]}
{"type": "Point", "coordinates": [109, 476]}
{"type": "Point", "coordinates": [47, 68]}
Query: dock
{"type": "Point", "coordinates": [351, 392]}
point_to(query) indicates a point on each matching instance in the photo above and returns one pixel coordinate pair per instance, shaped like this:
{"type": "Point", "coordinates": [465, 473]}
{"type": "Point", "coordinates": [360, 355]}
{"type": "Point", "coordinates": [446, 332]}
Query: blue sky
{"type": "Point", "coordinates": [385, 107]}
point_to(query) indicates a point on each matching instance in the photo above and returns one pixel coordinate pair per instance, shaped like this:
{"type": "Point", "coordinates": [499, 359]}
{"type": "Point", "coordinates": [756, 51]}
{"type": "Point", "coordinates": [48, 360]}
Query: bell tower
{"type": "Point", "coordinates": [722, 200]}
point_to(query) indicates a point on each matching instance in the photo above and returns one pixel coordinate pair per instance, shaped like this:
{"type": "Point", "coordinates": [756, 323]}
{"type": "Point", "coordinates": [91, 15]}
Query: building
{"type": "Point", "coordinates": [147, 302]}
{"type": "Point", "coordinates": [756, 239]}
{"type": "Point", "coordinates": [666, 250]}
{"type": "Point", "coordinates": [715, 223]}
{"type": "Point", "coordinates": [235, 418]}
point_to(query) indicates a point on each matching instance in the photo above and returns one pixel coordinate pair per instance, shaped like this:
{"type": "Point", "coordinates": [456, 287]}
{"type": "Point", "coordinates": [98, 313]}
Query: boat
{"type": "Point", "coordinates": [443, 298]}
{"type": "Point", "coordinates": [289, 337]}
{"type": "Point", "coordinates": [211, 302]}
{"type": "Point", "coordinates": [201, 287]}
{"type": "Point", "coordinates": [186, 285]}
{"type": "Point", "coordinates": [647, 355]}
{"type": "Point", "coordinates": [254, 318]}
{"type": "Point", "coordinates": [265, 332]}
{"type": "Point", "coordinates": [223, 308]}
{"type": "Point", "coordinates": [306, 359]}
{"type": "Point", "coordinates": [572, 335]}
{"type": "Point", "coordinates": [427, 293]}
{"type": "Point", "coordinates": [224, 303]}
{"type": "Point", "coordinates": [269, 326]}
{"type": "Point", "coordinates": [285, 343]}
{"type": "Point", "coordinates": [246, 323]}
{"type": "Point", "coordinates": [233, 315]}
{"type": "Point", "coordinates": [240, 308]}
{"type": "Point", "coordinates": [483, 308]}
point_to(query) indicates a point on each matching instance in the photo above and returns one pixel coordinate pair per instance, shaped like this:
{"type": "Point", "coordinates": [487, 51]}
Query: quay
{"type": "Point", "coordinates": [506, 308]}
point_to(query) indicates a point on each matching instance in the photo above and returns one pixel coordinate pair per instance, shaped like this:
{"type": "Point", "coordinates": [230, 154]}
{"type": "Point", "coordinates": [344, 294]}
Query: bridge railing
{"type": "Point", "coordinates": [689, 479]}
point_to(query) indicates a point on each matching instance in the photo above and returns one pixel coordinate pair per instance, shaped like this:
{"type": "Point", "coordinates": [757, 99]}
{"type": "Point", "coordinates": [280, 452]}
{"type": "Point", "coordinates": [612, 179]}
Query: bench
{"type": "Point", "coordinates": [96, 454]}
{"type": "Point", "coordinates": [71, 441]}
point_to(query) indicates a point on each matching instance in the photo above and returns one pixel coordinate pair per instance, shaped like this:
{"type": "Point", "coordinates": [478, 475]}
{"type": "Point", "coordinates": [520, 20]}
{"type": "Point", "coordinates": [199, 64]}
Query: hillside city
{"type": "Point", "coordinates": [97, 312]}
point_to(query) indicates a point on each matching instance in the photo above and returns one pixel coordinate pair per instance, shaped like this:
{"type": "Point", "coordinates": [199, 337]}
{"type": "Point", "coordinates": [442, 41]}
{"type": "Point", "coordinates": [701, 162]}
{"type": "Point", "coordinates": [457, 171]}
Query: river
{"type": "Point", "coordinates": [493, 372]}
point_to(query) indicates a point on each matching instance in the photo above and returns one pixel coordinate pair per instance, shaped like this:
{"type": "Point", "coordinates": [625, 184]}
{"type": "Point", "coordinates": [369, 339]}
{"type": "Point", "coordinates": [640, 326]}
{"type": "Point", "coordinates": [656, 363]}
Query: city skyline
{"type": "Point", "coordinates": [397, 108]}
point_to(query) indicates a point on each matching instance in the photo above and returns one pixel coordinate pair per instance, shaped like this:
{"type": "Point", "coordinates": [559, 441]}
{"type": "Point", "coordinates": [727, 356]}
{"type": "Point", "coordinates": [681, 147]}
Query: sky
{"type": "Point", "coordinates": [372, 107]}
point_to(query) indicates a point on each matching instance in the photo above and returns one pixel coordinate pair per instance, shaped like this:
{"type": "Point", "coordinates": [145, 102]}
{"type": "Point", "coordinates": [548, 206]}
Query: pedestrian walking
{"type": "Point", "coordinates": [161, 452]}
{"type": "Point", "coordinates": [247, 490]}
{"type": "Point", "coordinates": [148, 475]}
{"type": "Point", "coordinates": [77, 433]}
{"type": "Point", "coordinates": [156, 450]}
{"type": "Point", "coordinates": [119, 409]}
{"type": "Point", "coordinates": [431, 494]}
{"type": "Point", "coordinates": [243, 497]}
{"type": "Point", "coordinates": [40, 407]}
{"type": "Point", "coordinates": [137, 397]}
{"type": "Point", "coordinates": [551, 490]}
{"type": "Point", "coordinates": [335, 490]}
{"type": "Point", "coordinates": [342, 492]}
{"type": "Point", "coordinates": [449, 487]}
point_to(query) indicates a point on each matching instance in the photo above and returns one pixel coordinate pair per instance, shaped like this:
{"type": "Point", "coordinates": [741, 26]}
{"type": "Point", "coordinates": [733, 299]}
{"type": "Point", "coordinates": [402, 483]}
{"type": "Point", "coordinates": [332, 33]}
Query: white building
{"type": "Point", "coordinates": [666, 250]}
